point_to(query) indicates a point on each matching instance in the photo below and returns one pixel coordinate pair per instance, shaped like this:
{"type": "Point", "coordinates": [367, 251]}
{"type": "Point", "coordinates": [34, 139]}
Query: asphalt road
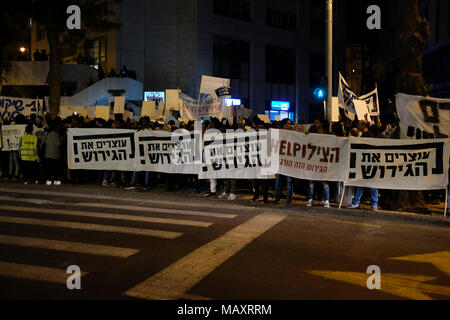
{"type": "Point", "coordinates": [157, 245]}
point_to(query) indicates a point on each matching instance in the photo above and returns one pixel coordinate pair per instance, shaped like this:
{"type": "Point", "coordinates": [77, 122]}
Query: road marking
{"type": "Point", "coordinates": [212, 205]}
{"type": "Point", "coordinates": [123, 207]}
{"type": "Point", "coordinates": [174, 281]}
{"type": "Point", "coordinates": [349, 222]}
{"type": "Point", "coordinates": [441, 260]}
{"type": "Point", "coordinates": [78, 247]}
{"type": "Point", "coordinates": [36, 273]}
{"type": "Point", "coordinates": [107, 216]}
{"type": "Point", "coordinates": [92, 227]}
{"type": "Point", "coordinates": [402, 285]}
{"type": "Point", "coordinates": [156, 210]}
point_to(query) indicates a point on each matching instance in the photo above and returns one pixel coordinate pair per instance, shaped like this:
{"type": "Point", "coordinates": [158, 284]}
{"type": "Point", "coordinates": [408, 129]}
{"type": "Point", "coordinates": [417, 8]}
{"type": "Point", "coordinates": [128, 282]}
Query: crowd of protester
{"type": "Point", "coordinates": [43, 159]}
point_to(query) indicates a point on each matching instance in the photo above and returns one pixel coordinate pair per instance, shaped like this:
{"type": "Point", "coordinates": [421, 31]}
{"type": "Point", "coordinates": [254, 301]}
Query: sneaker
{"type": "Point", "coordinates": [310, 203]}
{"type": "Point", "coordinates": [25, 182]}
{"type": "Point", "coordinates": [353, 206]}
{"type": "Point", "coordinates": [114, 184]}
{"type": "Point", "coordinates": [210, 194]}
{"type": "Point", "coordinates": [232, 196]}
{"type": "Point", "coordinates": [36, 182]}
{"type": "Point", "coordinates": [326, 204]}
{"type": "Point", "coordinates": [57, 183]}
{"type": "Point", "coordinates": [276, 201]}
{"type": "Point", "coordinates": [105, 183]}
{"type": "Point", "coordinates": [374, 208]}
{"type": "Point", "coordinates": [130, 187]}
{"type": "Point", "coordinates": [224, 195]}
{"type": "Point", "coordinates": [48, 183]}
{"type": "Point", "coordinates": [254, 199]}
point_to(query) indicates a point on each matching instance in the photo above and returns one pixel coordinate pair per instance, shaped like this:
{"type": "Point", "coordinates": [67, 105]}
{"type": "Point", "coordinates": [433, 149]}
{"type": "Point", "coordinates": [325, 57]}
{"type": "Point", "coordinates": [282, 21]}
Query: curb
{"type": "Point", "coordinates": [368, 215]}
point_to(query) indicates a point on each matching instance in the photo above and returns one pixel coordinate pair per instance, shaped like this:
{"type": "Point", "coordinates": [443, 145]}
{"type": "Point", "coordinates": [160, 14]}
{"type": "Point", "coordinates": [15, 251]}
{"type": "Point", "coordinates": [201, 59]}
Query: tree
{"type": "Point", "coordinates": [403, 73]}
{"type": "Point", "coordinates": [95, 17]}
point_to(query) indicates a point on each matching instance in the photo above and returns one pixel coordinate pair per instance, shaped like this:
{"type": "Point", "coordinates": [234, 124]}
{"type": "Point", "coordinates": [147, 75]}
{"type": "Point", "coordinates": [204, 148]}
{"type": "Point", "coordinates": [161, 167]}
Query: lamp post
{"type": "Point", "coordinates": [329, 55]}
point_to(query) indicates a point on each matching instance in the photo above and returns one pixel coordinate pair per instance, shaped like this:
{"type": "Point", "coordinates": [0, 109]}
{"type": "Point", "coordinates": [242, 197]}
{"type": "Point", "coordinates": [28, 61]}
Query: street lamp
{"type": "Point", "coordinates": [22, 49]}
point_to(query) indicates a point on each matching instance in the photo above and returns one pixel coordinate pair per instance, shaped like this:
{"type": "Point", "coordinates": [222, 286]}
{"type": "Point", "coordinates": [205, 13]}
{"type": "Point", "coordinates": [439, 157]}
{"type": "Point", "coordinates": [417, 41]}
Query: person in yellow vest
{"type": "Point", "coordinates": [28, 155]}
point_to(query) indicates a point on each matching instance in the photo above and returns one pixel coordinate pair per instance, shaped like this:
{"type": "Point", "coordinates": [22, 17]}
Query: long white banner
{"type": "Point", "coordinates": [380, 163]}
{"type": "Point", "coordinates": [399, 164]}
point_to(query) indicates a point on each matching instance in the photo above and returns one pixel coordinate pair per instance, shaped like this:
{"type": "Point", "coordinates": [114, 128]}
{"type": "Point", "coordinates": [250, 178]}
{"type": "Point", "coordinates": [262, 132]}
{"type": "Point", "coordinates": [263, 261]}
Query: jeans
{"type": "Point", "coordinates": [278, 187]}
{"type": "Point", "coordinates": [373, 196]}
{"type": "Point", "coordinates": [326, 190]}
{"type": "Point", "coordinates": [230, 186]}
{"type": "Point", "coordinates": [134, 178]}
{"type": "Point", "coordinates": [14, 170]}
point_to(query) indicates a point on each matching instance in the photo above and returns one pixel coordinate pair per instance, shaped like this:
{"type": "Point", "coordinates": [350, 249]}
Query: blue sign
{"type": "Point", "coordinates": [281, 105]}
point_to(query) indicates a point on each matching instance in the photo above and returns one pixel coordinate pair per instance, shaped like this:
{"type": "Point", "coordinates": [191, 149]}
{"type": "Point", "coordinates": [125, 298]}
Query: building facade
{"type": "Point", "coordinates": [270, 49]}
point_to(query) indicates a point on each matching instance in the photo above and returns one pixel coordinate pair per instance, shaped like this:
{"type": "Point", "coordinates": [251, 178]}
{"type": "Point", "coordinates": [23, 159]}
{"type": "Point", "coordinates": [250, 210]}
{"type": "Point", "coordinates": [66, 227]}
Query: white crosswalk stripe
{"type": "Point", "coordinates": [206, 205]}
{"type": "Point", "coordinates": [106, 216]}
{"type": "Point", "coordinates": [123, 207]}
{"type": "Point", "coordinates": [67, 246]}
{"type": "Point", "coordinates": [36, 273]}
{"type": "Point", "coordinates": [92, 227]}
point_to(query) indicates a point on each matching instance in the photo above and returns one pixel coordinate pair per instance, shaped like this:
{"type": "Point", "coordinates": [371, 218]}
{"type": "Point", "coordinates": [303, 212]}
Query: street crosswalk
{"type": "Point", "coordinates": [21, 209]}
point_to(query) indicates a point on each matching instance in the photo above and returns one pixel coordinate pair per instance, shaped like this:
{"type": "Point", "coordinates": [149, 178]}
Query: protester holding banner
{"type": "Point", "coordinates": [320, 128]}
{"type": "Point", "coordinates": [52, 156]}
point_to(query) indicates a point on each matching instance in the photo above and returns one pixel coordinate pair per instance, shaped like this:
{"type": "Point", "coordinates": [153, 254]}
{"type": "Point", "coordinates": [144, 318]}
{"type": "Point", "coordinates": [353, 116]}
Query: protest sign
{"type": "Point", "coordinates": [11, 135]}
{"type": "Point", "coordinates": [399, 164]}
{"type": "Point", "coordinates": [162, 151]}
{"type": "Point", "coordinates": [423, 117]}
{"type": "Point", "coordinates": [309, 156]}
{"type": "Point", "coordinates": [235, 155]}
{"type": "Point", "coordinates": [10, 107]}
{"type": "Point", "coordinates": [101, 149]}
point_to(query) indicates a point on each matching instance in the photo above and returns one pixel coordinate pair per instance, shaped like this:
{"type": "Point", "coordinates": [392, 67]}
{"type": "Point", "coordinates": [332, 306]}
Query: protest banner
{"type": "Point", "coordinates": [10, 107]}
{"type": "Point", "coordinates": [372, 103]}
{"type": "Point", "coordinates": [235, 155]}
{"type": "Point", "coordinates": [208, 107]}
{"type": "Point", "coordinates": [101, 149]}
{"type": "Point", "coordinates": [208, 84]}
{"type": "Point", "coordinates": [423, 117]}
{"type": "Point", "coordinates": [309, 156]}
{"type": "Point", "coordinates": [162, 151]}
{"type": "Point", "coordinates": [11, 135]}
{"type": "Point", "coordinates": [399, 164]}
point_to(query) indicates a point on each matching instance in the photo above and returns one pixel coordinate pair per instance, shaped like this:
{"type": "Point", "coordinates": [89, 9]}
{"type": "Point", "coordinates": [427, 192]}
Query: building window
{"type": "Point", "coordinates": [317, 28]}
{"type": "Point", "coordinates": [41, 33]}
{"type": "Point", "coordinates": [232, 61]}
{"type": "Point", "coordinates": [95, 50]}
{"type": "Point", "coordinates": [280, 65]}
{"type": "Point", "coordinates": [282, 14]}
{"type": "Point", "coordinates": [281, 19]}
{"type": "Point", "coordinates": [237, 9]}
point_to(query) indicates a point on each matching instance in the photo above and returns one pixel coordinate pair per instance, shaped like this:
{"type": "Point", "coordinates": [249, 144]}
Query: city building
{"type": "Point", "coordinates": [436, 68]}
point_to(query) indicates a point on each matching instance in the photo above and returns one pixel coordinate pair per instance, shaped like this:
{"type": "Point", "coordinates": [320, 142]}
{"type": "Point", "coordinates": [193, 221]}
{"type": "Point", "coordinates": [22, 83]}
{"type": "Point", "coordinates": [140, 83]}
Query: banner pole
{"type": "Point", "coordinates": [446, 203]}
{"type": "Point", "coordinates": [342, 197]}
